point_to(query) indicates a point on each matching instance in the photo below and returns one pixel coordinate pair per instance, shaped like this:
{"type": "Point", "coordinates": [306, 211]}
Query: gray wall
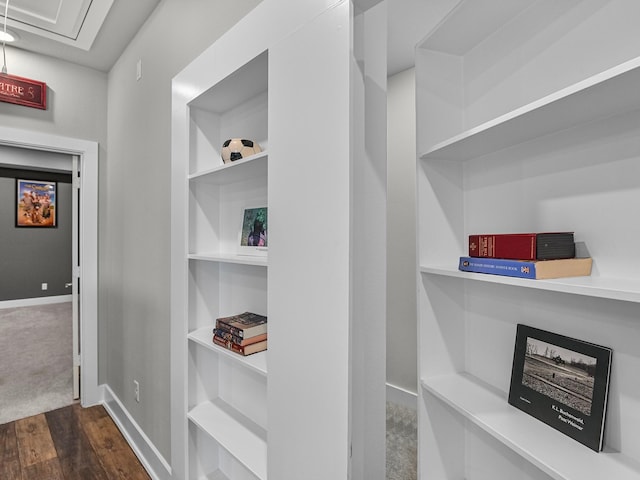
{"type": "Point", "coordinates": [135, 204]}
{"type": "Point", "coordinates": [402, 340]}
{"type": "Point", "coordinates": [30, 257]}
{"type": "Point", "coordinates": [76, 98]}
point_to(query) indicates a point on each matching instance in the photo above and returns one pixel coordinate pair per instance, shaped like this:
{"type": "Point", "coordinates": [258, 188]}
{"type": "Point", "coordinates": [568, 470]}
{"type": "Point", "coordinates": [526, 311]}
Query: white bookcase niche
{"type": "Point", "coordinates": [235, 107]}
{"type": "Point", "coordinates": [528, 120]}
{"type": "Point", "coordinates": [227, 393]}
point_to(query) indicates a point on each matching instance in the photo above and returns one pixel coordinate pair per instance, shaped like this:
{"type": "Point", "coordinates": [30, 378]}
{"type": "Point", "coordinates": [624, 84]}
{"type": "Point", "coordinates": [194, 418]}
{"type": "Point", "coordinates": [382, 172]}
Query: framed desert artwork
{"type": "Point", "coordinates": [36, 203]}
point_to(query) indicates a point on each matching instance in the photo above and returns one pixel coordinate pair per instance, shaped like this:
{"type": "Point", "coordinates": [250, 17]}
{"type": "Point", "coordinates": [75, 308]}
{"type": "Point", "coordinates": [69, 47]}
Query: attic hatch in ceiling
{"type": "Point", "coordinates": [71, 22]}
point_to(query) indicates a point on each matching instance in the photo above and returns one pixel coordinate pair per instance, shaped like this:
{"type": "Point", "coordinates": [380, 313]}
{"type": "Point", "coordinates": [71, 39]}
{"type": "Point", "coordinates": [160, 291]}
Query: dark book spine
{"type": "Point", "coordinates": [238, 340]}
{"type": "Point", "coordinates": [555, 246]}
{"type": "Point", "coordinates": [230, 337]}
{"type": "Point", "coordinates": [244, 325]}
{"type": "Point", "coordinates": [236, 332]}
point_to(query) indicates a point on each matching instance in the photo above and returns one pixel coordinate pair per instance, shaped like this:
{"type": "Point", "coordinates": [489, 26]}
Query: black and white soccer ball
{"type": "Point", "coordinates": [237, 148]}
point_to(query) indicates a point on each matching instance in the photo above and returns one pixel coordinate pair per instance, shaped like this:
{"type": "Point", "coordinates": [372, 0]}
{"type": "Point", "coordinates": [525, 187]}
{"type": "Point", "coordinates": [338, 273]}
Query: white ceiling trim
{"type": "Point", "coordinates": [71, 22]}
{"type": "Point", "coordinates": [45, 11]}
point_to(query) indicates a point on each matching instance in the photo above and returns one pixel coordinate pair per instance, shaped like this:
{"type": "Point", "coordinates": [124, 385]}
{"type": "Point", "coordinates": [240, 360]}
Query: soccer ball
{"type": "Point", "coordinates": [237, 148]}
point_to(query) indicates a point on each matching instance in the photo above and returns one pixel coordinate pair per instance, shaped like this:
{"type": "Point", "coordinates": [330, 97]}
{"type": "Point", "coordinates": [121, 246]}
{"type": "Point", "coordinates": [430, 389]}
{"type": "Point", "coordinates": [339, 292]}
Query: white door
{"type": "Point", "coordinates": [75, 272]}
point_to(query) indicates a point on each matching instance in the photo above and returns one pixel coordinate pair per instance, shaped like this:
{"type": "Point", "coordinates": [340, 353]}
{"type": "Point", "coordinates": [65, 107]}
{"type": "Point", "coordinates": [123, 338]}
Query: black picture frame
{"type": "Point", "coordinates": [562, 381]}
{"type": "Point", "coordinates": [36, 203]}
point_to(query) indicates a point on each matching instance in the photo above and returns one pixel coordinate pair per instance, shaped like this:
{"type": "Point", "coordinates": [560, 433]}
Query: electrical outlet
{"type": "Point", "coordinates": [45, 286]}
{"type": "Point", "coordinates": [136, 390]}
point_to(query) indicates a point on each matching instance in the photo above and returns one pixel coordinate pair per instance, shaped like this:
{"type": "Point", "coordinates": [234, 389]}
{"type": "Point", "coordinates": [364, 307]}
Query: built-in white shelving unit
{"type": "Point", "coordinates": [224, 424]}
{"type": "Point", "coordinates": [307, 407]}
{"type": "Point", "coordinates": [528, 120]}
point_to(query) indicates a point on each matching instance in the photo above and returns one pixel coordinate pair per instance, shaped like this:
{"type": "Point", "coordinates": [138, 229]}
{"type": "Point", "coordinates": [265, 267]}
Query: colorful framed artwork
{"type": "Point", "coordinates": [36, 203]}
{"type": "Point", "coordinates": [253, 234]}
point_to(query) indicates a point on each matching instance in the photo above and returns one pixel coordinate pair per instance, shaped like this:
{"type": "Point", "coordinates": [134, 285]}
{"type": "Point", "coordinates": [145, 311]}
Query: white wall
{"type": "Point", "coordinates": [14, 157]}
{"type": "Point", "coordinates": [401, 232]}
{"type": "Point", "coordinates": [135, 187]}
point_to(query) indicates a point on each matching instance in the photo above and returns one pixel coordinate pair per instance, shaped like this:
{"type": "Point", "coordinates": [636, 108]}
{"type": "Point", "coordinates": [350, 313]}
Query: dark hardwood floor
{"type": "Point", "coordinates": [68, 443]}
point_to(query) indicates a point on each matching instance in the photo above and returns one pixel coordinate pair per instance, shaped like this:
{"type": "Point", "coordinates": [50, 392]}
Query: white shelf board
{"type": "Point", "coordinates": [556, 454]}
{"type": "Point", "coordinates": [236, 437]}
{"type": "Point", "coordinates": [217, 475]}
{"type": "Point", "coordinates": [247, 82]}
{"type": "Point", "coordinates": [602, 287]}
{"type": "Point", "coordinates": [612, 92]}
{"type": "Point", "coordinates": [259, 261]}
{"type": "Point", "coordinates": [256, 362]}
{"type": "Point", "coordinates": [240, 170]}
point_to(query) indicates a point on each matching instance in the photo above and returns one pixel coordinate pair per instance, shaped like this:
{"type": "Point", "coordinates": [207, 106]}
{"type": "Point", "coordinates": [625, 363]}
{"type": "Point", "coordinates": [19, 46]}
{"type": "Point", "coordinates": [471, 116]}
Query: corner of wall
{"type": "Point", "coordinates": [150, 457]}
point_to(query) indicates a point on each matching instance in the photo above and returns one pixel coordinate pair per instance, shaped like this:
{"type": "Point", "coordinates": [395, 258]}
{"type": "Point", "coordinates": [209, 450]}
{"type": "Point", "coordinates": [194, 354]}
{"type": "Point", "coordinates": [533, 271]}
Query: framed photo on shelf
{"type": "Point", "coordinates": [253, 233]}
{"type": "Point", "coordinates": [36, 203]}
{"type": "Point", "coordinates": [563, 382]}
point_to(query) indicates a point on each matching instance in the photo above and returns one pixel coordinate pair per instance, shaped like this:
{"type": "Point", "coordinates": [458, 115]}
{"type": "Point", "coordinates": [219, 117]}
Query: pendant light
{"type": "Point", "coordinates": [5, 37]}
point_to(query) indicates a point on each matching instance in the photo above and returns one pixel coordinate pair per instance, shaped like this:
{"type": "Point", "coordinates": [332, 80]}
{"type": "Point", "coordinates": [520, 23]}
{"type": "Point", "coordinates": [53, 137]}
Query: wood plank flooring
{"type": "Point", "coordinates": [71, 443]}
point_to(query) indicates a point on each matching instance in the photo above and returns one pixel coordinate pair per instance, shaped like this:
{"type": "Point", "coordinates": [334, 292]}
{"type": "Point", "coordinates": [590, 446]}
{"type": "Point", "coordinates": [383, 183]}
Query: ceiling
{"type": "Point", "coordinates": [94, 33]}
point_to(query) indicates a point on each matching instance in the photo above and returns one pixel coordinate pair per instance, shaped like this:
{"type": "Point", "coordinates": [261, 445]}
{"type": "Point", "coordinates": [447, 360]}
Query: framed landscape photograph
{"type": "Point", "coordinates": [563, 382]}
{"type": "Point", "coordinates": [253, 234]}
{"type": "Point", "coordinates": [36, 203]}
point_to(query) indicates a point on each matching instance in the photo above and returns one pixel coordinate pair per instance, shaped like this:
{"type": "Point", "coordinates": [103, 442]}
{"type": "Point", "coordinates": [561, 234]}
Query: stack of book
{"type": "Point", "coordinates": [525, 255]}
{"type": "Point", "coordinates": [245, 333]}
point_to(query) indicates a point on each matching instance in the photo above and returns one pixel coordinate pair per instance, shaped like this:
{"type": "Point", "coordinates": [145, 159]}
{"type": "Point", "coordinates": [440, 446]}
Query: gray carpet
{"type": "Point", "coordinates": [35, 360]}
{"type": "Point", "coordinates": [402, 443]}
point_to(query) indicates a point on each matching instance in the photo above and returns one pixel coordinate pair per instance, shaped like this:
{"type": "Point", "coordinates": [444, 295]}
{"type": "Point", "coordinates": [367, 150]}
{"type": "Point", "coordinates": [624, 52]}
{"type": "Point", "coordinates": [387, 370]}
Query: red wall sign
{"type": "Point", "coordinates": [23, 91]}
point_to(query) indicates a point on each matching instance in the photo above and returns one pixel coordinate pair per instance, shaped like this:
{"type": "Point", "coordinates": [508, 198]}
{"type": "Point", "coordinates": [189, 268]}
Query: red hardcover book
{"type": "Point", "coordinates": [242, 350]}
{"type": "Point", "coordinates": [225, 335]}
{"type": "Point", "coordinates": [523, 246]}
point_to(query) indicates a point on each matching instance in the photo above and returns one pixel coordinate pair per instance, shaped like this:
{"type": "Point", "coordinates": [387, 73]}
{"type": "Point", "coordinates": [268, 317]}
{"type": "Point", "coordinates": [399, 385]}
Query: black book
{"type": "Point", "coordinates": [550, 246]}
{"type": "Point", "coordinates": [562, 381]}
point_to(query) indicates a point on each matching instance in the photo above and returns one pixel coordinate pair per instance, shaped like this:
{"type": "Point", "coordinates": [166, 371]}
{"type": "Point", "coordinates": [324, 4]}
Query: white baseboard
{"type": "Point", "coordinates": [30, 302]}
{"type": "Point", "coordinates": [402, 396]}
{"type": "Point", "coordinates": [152, 460]}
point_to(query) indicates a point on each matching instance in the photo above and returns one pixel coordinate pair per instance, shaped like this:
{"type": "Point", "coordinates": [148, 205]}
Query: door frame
{"type": "Point", "coordinates": [87, 152]}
